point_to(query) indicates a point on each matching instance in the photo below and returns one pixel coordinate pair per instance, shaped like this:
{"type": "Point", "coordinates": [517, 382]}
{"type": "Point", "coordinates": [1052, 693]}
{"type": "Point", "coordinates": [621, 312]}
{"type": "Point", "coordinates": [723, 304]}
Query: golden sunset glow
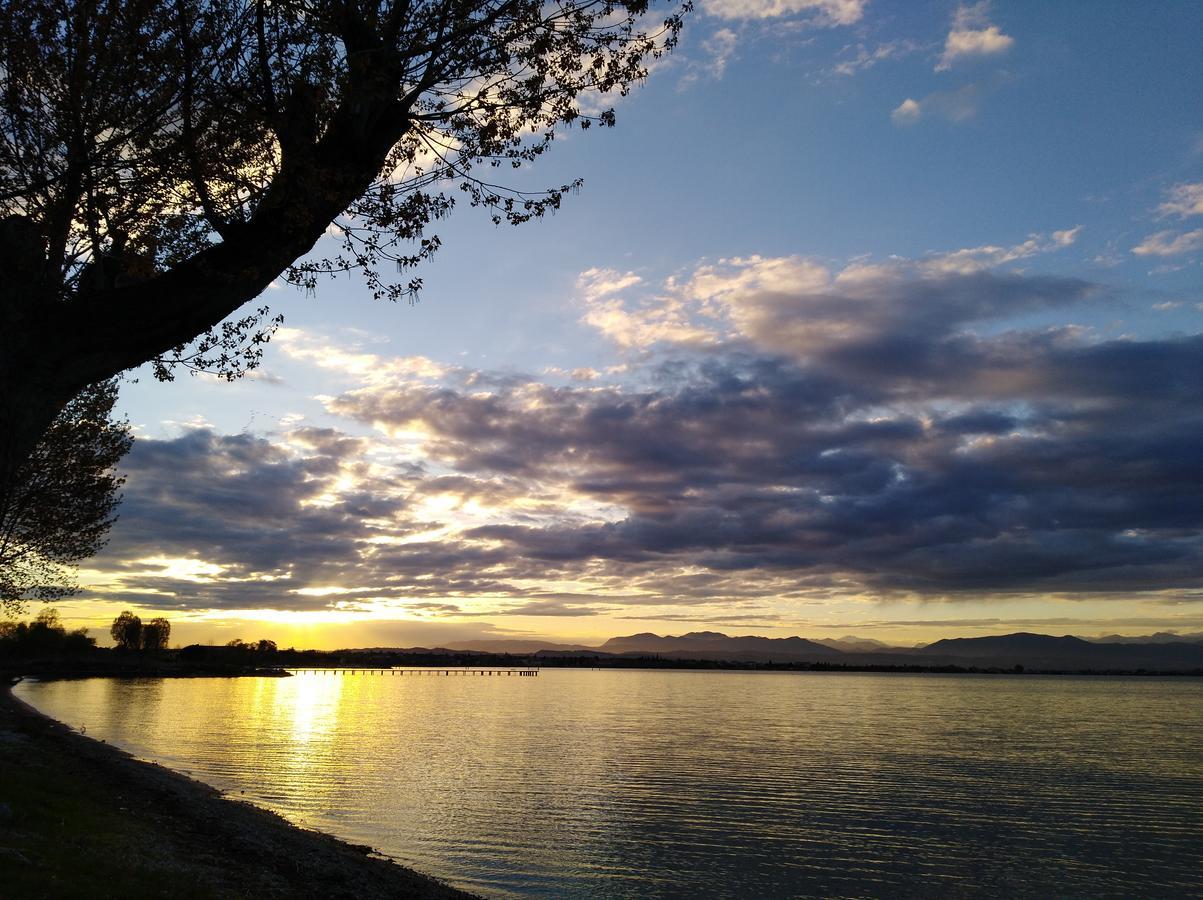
{"type": "Point", "coordinates": [699, 448]}
{"type": "Point", "coordinates": [846, 416]}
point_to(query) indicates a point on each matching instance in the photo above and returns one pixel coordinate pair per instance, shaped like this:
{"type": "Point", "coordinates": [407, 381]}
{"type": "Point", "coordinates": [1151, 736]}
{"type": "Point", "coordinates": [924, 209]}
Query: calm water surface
{"type": "Point", "coordinates": [703, 784]}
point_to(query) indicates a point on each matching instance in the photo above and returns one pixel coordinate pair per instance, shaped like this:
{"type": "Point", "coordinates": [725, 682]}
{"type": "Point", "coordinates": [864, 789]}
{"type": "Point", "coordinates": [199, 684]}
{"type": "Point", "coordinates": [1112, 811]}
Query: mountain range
{"type": "Point", "coordinates": [1160, 652]}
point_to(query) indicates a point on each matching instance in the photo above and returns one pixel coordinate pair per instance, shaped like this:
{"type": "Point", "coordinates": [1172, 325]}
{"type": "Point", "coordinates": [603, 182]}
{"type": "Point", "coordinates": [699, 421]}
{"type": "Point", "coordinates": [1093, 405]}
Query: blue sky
{"type": "Point", "coordinates": [891, 217]}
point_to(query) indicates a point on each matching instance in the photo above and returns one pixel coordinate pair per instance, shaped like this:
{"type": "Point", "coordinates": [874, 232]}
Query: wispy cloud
{"type": "Point", "coordinates": [717, 51]}
{"type": "Point", "coordinates": [1168, 243]}
{"type": "Point", "coordinates": [823, 13]}
{"type": "Point", "coordinates": [721, 46]}
{"type": "Point", "coordinates": [862, 58]}
{"type": "Point", "coordinates": [595, 283]}
{"type": "Point", "coordinates": [974, 259]}
{"type": "Point", "coordinates": [1183, 200]}
{"type": "Point", "coordinates": [954, 106]}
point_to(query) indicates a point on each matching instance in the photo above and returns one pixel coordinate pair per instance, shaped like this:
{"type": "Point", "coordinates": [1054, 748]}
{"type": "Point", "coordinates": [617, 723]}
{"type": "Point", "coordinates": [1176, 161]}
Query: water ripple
{"type": "Point", "coordinates": [681, 784]}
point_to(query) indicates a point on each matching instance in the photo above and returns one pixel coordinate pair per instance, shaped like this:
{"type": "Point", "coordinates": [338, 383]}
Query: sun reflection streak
{"type": "Point", "coordinates": [313, 704]}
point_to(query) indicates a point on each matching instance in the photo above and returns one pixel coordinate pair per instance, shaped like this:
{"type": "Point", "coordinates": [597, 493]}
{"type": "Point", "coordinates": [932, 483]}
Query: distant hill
{"type": "Point", "coordinates": [1032, 651]}
{"type": "Point", "coordinates": [1006, 644]}
{"type": "Point", "coordinates": [514, 645]}
{"type": "Point", "coordinates": [715, 645]}
{"type": "Point", "coordinates": [851, 644]}
{"type": "Point", "coordinates": [1161, 637]}
{"type": "Point", "coordinates": [1044, 651]}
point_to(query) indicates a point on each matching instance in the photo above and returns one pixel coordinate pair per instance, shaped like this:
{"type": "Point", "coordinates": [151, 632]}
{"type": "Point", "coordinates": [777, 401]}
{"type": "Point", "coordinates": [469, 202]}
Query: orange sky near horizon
{"type": "Point", "coordinates": [332, 630]}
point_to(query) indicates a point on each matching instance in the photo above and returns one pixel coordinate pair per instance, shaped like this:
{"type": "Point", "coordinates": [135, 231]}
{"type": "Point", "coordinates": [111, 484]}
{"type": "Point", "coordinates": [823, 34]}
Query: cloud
{"type": "Point", "coordinates": [823, 13]}
{"type": "Point", "coordinates": [663, 320]}
{"type": "Point", "coordinates": [269, 517]}
{"type": "Point", "coordinates": [711, 304]}
{"type": "Point", "coordinates": [907, 112]}
{"type": "Point", "coordinates": [954, 106]}
{"type": "Point", "coordinates": [853, 429]}
{"type": "Point", "coordinates": [918, 460]}
{"type": "Point", "coordinates": [718, 50]}
{"type": "Point", "coordinates": [877, 429]}
{"type": "Point", "coordinates": [972, 35]}
{"type": "Point", "coordinates": [863, 58]}
{"type": "Point", "coordinates": [762, 18]}
{"type": "Point", "coordinates": [1167, 243]}
{"type": "Point", "coordinates": [314, 522]}
{"type": "Point", "coordinates": [351, 359]}
{"type": "Point", "coordinates": [598, 283]}
{"type": "Point", "coordinates": [552, 608]}
{"type": "Point", "coordinates": [1183, 200]}
{"type": "Point", "coordinates": [976, 259]}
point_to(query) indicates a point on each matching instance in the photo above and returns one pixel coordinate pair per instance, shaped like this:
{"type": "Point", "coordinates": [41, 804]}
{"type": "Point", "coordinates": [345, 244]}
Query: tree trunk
{"type": "Point", "coordinates": [32, 384]}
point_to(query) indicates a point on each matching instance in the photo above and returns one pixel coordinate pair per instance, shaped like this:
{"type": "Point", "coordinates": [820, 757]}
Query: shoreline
{"type": "Point", "coordinates": [79, 817]}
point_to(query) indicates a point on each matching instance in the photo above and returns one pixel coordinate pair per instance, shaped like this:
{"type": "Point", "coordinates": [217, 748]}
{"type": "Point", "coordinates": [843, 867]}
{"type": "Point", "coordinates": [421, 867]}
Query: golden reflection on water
{"type": "Point", "coordinates": [308, 712]}
{"type": "Point", "coordinates": [623, 783]}
{"type": "Point", "coordinates": [313, 706]}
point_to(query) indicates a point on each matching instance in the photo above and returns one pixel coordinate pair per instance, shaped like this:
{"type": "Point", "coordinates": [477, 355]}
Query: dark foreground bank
{"type": "Point", "coordinates": [79, 818]}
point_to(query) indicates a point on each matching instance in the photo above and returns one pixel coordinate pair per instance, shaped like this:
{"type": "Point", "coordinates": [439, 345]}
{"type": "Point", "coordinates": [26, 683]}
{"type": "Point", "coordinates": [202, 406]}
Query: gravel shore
{"type": "Point", "coordinates": [80, 818]}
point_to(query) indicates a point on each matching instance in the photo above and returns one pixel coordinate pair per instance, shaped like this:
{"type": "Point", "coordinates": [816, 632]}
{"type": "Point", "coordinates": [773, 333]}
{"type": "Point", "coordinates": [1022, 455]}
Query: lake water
{"type": "Point", "coordinates": [703, 784]}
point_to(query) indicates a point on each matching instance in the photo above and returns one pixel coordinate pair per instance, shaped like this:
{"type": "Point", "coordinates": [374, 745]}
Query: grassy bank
{"type": "Point", "coordinates": [79, 818]}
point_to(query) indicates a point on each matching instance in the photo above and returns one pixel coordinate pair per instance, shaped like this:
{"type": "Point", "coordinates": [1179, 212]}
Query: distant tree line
{"type": "Point", "coordinates": [261, 646]}
{"type": "Point", "coordinates": [44, 636]}
{"type": "Point", "coordinates": [237, 653]}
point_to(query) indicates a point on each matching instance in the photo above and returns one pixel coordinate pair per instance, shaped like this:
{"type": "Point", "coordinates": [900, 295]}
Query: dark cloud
{"type": "Point", "coordinates": [889, 434]}
{"type": "Point", "coordinates": [554, 608]}
{"type": "Point", "coordinates": [277, 520]}
{"type": "Point", "coordinates": [730, 621]}
{"type": "Point", "coordinates": [869, 433]}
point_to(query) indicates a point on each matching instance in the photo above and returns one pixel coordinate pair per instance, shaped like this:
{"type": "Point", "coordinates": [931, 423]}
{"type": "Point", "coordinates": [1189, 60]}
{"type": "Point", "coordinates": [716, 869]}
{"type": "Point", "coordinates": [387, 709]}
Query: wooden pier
{"type": "Point", "coordinates": [374, 670]}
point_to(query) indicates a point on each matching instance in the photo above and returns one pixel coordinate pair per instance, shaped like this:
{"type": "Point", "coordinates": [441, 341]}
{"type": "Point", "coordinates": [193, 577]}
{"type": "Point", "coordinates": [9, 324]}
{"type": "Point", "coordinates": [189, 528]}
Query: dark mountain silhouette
{"type": "Point", "coordinates": [1032, 651]}
{"type": "Point", "coordinates": [1161, 637]}
{"type": "Point", "coordinates": [1005, 644]}
{"type": "Point", "coordinates": [515, 645]}
{"type": "Point", "coordinates": [715, 645]}
{"type": "Point", "coordinates": [1066, 652]}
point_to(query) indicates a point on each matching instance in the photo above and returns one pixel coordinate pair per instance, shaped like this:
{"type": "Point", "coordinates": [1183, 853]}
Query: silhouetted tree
{"type": "Point", "coordinates": [162, 163]}
{"type": "Point", "coordinates": [126, 631]}
{"type": "Point", "coordinates": [155, 634]}
{"type": "Point", "coordinates": [46, 630]}
{"type": "Point", "coordinates": [58, 507]}
{"type": "Point", "coordinates": [44, 635]}
{"type": "Point", "coordinates": [266, 647]}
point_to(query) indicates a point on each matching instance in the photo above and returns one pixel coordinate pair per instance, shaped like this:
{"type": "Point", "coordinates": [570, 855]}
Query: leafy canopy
{"type": "Point", "coordinates": [44, 635]}
{"type": "Point", "coordinates": [218, 140]}
{"type": "Point", "coordinates": [129, 632]}
{"type": "Point", "coordinates": [126, 631]}
{"type": "Point", "coordinates": [60, 506]}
